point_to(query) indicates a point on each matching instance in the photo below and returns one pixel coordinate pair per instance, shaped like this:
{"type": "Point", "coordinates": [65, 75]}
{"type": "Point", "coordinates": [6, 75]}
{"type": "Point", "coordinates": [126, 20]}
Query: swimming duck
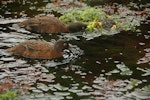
{"type": "Point", "coordinates": [39, 49]}
{"type": "Point", "coordinates": [50, 24]}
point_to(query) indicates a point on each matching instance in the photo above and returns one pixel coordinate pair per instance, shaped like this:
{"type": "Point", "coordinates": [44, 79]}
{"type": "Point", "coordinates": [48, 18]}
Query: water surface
{"type": "Point", "coordinates": [106, 67]}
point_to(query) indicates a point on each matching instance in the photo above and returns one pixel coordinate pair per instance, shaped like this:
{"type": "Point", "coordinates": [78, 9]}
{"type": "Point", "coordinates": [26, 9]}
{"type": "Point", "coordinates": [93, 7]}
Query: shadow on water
{"type": "Point", "coordinates": [106, 67]}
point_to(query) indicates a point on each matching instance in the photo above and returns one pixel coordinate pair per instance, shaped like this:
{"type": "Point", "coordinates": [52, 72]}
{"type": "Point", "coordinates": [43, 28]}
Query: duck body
{"type": "Point", "coordinates": [44, 24]}
{"type": "Point", "coordinates": [39, 49]}
{"type": "Point", "coordinates": [50, 24]}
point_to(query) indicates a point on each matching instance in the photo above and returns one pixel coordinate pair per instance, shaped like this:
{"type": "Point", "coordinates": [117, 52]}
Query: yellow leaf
{"type": "Point", "coordinates": [113, 27]}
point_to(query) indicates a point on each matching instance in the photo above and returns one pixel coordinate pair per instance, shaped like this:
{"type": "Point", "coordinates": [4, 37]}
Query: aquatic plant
{"type": "Point", "coordinates": [91, 16]}
{"type": "Point", "coordinates": [97, 19]}
{"type": "Point", "coordinates": [8, 95]}
{"type": "Point", "coordinates": [88, 15]}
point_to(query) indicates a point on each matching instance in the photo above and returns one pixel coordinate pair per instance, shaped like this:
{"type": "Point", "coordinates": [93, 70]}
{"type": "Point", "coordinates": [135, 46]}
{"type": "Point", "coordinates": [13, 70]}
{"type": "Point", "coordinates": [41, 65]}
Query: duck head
{"type": "Point", "coordinates": [76, 27]}
{"type": "Point", "coordinates": [60, 45]}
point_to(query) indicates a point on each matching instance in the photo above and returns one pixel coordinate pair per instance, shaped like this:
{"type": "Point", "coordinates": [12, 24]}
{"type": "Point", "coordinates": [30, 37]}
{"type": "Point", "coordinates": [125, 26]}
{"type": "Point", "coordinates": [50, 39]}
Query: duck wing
{"type": "Point", "coordinates": [45, 24]}
{"type": "Point", "coordinates": [32, 48]}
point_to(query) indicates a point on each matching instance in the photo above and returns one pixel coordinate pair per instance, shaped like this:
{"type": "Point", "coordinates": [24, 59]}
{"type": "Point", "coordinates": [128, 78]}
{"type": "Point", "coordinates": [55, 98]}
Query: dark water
{"type": "Point", "coordinates": [106, 67]}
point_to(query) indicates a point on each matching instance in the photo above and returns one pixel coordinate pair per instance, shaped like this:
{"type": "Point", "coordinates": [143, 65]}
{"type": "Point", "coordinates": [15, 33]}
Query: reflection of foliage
{"type": "Point", "coordinates": [140, 94]}
{"type": "Point", "coordinates": [111, 88]}
{"type": "Point", "coordinates": [138, 6]}
{"type": "Point", "coordinates": [8, 95]}
{"type": "Point", "coordinates": [122, 69]}
{"type": "Point", "coordinates": [146, 70]}
{"type": "Point", "coordinates": [146, 58]}
{"type": "Point", "coordinates": [134, 82]}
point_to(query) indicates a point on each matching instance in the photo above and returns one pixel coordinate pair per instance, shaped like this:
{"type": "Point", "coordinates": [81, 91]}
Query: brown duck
{"type": "Point", "coordinates": [50, 24]}
{"type": "Point", "coordinates": [39, 49]}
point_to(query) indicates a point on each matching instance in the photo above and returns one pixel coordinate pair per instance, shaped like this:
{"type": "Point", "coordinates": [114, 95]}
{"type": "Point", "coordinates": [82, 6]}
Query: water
{"type": "Point", "coordinates": [106, 67]}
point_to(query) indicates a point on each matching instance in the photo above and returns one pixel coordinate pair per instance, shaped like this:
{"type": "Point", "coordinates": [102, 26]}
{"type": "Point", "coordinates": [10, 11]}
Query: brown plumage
{"type": "Point", "coordinates": [44, 24]}
{"type": "Point", "coordinates": [49, 24]}
{"type": "Point", "coordinates": [39, 49]}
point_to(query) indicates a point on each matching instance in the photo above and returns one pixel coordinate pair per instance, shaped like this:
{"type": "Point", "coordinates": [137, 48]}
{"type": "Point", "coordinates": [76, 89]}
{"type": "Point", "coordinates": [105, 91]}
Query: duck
{"type": "Point", "coordinates": [50, 24]}
{"type": "Point", "coordinates": [38, 49]}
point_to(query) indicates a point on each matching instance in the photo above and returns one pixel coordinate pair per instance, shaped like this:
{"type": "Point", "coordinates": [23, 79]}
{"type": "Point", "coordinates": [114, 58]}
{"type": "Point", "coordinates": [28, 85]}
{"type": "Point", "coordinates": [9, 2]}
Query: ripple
{"type": "Point", "coordinates": [69, 55]}
{"type": "Point", "coordinates": [146, 58]}
{"type": "Point", "coordinates": [42, 87]}
{"type": "Point", "coordinates": [62, 93]}
{"type": "Point", "coordinates": [10, 59]}
{"type": "Point", "coordinates": [124, 69]}
{"type": "Point", "coordinates": [8, 21]}
{"type": "Point", "coordinates": [141, 94]}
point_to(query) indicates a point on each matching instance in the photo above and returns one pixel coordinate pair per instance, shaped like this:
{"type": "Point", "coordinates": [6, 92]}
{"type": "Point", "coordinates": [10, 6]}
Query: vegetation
{"type": "Point", "coordinates": [96, 19]}
{"type": "Point", "coordinates": [8, 95]}
{"type": "Point", "coordinates": [86, 16]}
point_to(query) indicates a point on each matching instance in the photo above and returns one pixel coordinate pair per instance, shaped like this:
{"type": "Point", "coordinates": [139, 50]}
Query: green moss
{"type": "Point", "coordinates": [96, 19]}
{"type": "Point", "coordinates": [86, 16]}
{"type": "Point", "coordinates": [93, 17]}
{"type": "Point", "coordinates": [8, 95]}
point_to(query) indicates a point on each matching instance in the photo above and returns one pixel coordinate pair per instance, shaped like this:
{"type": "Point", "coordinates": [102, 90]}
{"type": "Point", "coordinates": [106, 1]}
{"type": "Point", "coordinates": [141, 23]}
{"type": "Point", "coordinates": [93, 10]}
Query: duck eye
{"type": "Point", "coordinates": [65, 44]}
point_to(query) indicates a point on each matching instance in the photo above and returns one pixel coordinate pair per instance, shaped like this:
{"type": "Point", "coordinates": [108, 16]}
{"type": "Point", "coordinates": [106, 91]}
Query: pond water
{"type": "Point", "coordinates": [104, 68]}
